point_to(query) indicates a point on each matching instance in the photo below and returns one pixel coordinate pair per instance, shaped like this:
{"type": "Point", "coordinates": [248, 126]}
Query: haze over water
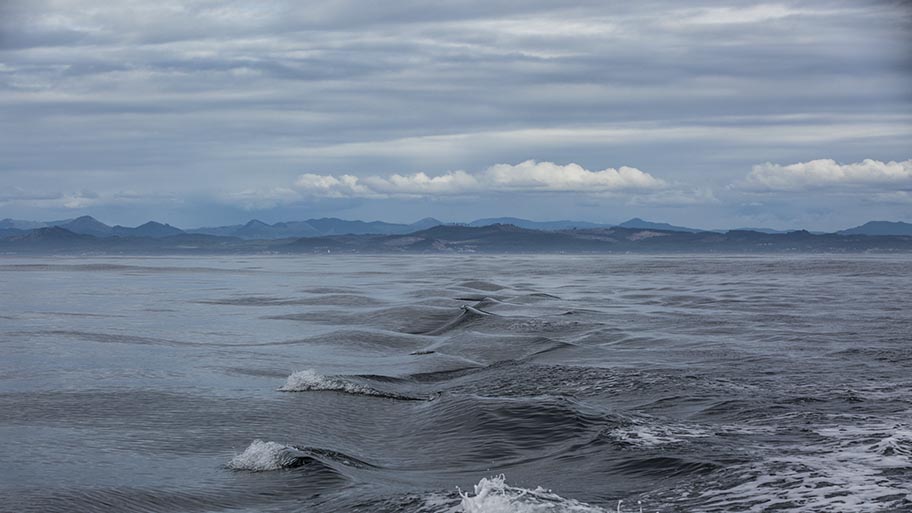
{"type": "Point", "coordinates": [389, 383]}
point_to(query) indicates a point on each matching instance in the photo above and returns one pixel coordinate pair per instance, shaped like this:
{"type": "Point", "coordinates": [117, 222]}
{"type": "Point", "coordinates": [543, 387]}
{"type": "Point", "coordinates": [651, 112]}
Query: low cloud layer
{"type": "Point", "coordinates": [528, 176]}
{"type": "Point", "coordinates": [829, 174]}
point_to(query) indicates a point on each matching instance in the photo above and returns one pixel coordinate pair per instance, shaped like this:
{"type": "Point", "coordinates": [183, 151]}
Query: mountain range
{"type": "Point", "coordinates": [86, 235]}
{"type": "Point", "coordinates": [87, 225]}
{"type": "Point", "coordinates": [328, 226]}
{"type": "Point", "coordinates": [880, 228]}
{"type": "Point", "coordinates": [252, 230]}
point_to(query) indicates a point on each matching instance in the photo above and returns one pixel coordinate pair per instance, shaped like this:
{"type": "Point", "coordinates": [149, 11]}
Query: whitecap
{"type": "Point", "coordinates": [650, 432]}
{"type": "Point", "coordinates": [310, 380]}
{"type": "Point", "coordinates": [307, 380]}
{"type": "Point", "coordinates": [857, 468]}
{"type": "Point", "coordinates": [262, 456]}
{"type": "Point", "coordinates": [493, 495]}
{"type": "Point", "coordinates": [655, 435]}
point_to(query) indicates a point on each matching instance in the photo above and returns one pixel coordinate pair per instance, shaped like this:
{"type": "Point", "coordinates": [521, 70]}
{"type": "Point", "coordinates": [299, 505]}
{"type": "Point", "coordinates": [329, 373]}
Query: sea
{"type": "Point", "coordinates": [456, 383]}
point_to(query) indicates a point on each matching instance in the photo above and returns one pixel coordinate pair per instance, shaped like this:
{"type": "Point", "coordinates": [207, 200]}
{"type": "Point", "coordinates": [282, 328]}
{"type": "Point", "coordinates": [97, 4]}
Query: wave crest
{"type": "Point", "coordinates": [310, 380]}
{"type": "Point", "coordinates": [494, 495]}
{"type": "Point", "coordinates": [261, 456]}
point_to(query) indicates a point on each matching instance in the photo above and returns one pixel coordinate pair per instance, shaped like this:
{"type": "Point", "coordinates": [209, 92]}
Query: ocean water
{"type": "Point", "coordinates": [456, 383]}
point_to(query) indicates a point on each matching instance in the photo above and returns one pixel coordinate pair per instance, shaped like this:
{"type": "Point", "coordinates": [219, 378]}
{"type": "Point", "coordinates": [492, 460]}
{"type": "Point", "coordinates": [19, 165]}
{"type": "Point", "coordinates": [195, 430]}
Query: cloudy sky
{"type": "Point", "coordinates": [714, 114]}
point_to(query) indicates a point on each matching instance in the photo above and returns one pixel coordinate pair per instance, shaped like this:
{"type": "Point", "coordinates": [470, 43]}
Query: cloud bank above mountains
{"type": "Point", "coordinates": [632, 185]}
{"type": "Point", "coordinates": [822, 174]}
{"type": "Point", "coordinates": [528, 176]}
{"type": "Point", "coordinates": [196, 111]}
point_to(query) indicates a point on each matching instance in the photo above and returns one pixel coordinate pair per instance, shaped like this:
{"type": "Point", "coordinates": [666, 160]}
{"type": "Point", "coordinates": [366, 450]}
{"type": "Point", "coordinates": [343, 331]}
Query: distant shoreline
{"type": "Point", "coordinates": [451, 239]}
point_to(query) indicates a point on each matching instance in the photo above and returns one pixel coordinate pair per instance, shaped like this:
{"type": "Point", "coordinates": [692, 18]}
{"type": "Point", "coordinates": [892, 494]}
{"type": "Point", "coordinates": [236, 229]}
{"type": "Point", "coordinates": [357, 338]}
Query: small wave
{"type": "Point", "coordinates": [311, 381]}
{"type": "Point", "coordinates": [494, 495]}
{"type": "Point", "coordinates": [478, 299]}
{"type": "Point", "coordinates": [261, 456]}
{"type": "Point", "coordinates": [482, 285]}
{"type": "Point", "coordinates": [488, 302]}
{"type": "Point", "coordinates": [476, 309]}
{"type": "Point", "coordinates": [489, 349]}
{"type": "Point", "coordinates": [469, 429]}
{"type": "Point", "coordinates": [468, 315]}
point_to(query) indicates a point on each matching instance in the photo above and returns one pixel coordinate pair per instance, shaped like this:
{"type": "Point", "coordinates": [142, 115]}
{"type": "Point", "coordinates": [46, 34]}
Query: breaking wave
{"type": "Point", "coordinates": [311, 381]}
{"type": "Point", "coordinates": [261, 456]}
{"type": "Point", "coordinates": [494, 495]}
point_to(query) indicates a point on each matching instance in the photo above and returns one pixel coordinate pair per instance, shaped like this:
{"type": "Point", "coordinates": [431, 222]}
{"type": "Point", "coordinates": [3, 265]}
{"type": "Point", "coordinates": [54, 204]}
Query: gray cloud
{"type": "Point", "coordinates": [225, 104]}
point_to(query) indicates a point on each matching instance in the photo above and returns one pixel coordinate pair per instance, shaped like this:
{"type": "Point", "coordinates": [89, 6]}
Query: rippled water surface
{"type": "Point", "coordinates": [412, 383]}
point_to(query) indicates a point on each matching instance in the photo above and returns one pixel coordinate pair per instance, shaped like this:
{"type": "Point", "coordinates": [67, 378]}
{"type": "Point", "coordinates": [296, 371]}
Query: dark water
{"type": "Point", "coordinates": [381, 384]}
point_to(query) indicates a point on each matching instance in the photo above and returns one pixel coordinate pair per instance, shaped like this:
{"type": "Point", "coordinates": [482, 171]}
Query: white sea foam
{"type": "Point", "coordinates": [261, 456]}
{"type": "Point", "coordinates": [307, 380]}
{"type": "Point", "coordinates": [310, 380]}
{"type": "Point", "coordinates": [654, 435]}
{"type": "Point", "coordinates": [493, 495]}
{"type": "Point", "coordinates": [855, 470]}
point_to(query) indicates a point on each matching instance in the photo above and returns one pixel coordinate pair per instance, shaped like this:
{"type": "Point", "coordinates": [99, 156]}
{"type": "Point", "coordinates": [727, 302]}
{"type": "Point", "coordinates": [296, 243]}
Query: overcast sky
{"type": "Point", "coordinates": [712, 114]}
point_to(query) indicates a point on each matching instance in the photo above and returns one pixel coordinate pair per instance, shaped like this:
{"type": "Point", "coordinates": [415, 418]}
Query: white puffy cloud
{"type": "Point", "coordinates": [528, 176]}
{"type": "Point", "coordinates": [829, 174]}
{"type": "Point", "coordinates": [419, 184]}
{"type": "Point", "coordinates": [332, 186]}
{"type": "Point", "coordinates": [548, 176]}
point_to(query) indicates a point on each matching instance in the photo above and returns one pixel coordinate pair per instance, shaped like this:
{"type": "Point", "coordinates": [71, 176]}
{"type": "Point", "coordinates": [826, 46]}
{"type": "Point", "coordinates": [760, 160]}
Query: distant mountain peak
{"type": "Point", "coordinates": [51, 233]}
{"type": "Point", "coordinates": [152, 229]}
{"type": "Point", "coordinates": [20, 224]}
{"type": "Point", "coordinates": [86, 220]}
{"type": "Point", "coordinates": [880, 228]}
{"type": "Point", "coordinates": [641, 224]}
{"type": "Point", "coordinates": [427, 222]}
{"type": "Point", "coordinates": [86, 225]}
{"type": "Point", "coordinates": [535, 225]}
